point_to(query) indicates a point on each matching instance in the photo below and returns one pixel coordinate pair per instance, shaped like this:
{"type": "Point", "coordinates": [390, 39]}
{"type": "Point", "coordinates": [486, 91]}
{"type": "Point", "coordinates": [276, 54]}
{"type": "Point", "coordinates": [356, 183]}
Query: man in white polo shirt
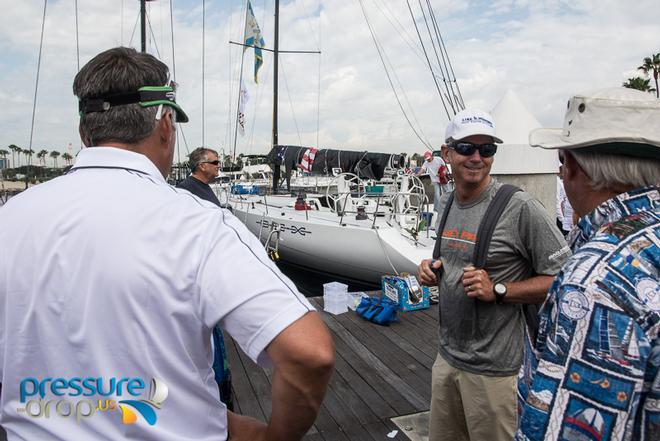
{"type": "Point", "coordinates": [111, 282]}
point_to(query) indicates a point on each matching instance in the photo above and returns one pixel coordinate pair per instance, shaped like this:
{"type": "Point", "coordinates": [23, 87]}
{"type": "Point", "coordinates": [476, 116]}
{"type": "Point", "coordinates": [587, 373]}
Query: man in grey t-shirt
{"type": "Point", "coordinates": [481, 326]}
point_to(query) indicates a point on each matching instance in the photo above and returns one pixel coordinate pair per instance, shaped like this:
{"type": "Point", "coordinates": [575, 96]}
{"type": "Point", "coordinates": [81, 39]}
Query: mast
{"type": "Point", "coordinates": [143, 25]}
{"type": "Point", "coordinates": [276, 46]}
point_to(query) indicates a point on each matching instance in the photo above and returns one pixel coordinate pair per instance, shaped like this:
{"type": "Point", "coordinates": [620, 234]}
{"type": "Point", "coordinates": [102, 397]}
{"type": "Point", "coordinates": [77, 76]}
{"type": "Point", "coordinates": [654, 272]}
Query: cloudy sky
{"type": "Point", "coordinates": [543, 50]}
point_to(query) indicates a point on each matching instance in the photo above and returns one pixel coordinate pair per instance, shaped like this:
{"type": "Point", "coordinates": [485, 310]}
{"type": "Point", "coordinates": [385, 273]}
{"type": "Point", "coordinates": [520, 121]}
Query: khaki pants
{"type": "Point", "coordinates": [466, 406]}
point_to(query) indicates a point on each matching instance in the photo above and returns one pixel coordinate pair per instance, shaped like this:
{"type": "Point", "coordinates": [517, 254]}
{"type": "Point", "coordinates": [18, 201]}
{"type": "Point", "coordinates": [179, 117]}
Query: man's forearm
{"type": "Point", "coordinates": [303, 358]}
{"type": "Point", "coordinates": [533, 290]}
{"type": "Point", "coordinates": [297, 398]}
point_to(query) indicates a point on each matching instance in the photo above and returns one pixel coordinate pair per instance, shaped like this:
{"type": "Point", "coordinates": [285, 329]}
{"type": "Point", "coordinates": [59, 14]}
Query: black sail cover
{"type": "Point", "coordinates": [364, 164]}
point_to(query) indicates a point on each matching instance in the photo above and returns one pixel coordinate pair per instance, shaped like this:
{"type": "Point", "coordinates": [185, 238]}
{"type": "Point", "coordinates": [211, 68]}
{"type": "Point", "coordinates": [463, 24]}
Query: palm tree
{"type": "Point", "coordinates": [652, 64]}
{"type": "Point", "coordinates": [67, 157]}
{"type": "Point", "coordinates": [28, 155]}
{"type": "Point", "coordinates": [42, 157]}
{"type": "Point", "coordinates": [14, 149]}
{"type": "Point", "coordinates": [639, 83]}
{"type": "Point", "coordinates": [54, 154]}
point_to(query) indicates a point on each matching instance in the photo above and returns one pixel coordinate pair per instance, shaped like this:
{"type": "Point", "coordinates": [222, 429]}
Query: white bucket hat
{"type": "Point", "coordinates": [470, 122]}
{"type": "Point", "coordinates": [615, 120]}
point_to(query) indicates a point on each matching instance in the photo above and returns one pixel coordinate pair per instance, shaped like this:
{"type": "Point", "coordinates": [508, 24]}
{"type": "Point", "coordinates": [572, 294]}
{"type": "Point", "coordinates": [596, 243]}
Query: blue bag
{"type": "Point", "coordinates": [381, 311]}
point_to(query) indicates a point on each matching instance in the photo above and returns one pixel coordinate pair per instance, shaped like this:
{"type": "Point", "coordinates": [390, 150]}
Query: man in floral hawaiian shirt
{"type": "Point", "coordinates": [594, 371]}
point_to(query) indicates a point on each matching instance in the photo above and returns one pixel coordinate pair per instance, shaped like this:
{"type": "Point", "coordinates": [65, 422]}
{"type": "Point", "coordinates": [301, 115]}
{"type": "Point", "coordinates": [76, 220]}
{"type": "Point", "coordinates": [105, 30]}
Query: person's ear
{"type": "Point", "coordinates": [166, 126]}
{"type": "Point", "coordinates": [570, 168]}
{"type": "Point", "coordinates": [445, 153]}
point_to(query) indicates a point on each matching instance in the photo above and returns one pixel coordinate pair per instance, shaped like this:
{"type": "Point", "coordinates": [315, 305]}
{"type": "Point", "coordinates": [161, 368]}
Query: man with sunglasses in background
{"type": "Point", "coordinates": [595, 369]}
{"type": "Point", "coordinates": [204, 167]}
{"type": "Point", "coordinates": [481, 324]}
{"type": "Point", "coordinates": [112, 280]}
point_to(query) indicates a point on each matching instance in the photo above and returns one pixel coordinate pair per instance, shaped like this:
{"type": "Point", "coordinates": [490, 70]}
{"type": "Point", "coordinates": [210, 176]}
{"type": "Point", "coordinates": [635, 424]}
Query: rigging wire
{"type": "Point", "coordinates": [452, 76]}
{"type": "Point", "coordinates": [203, 67]}
{"type": "Point", "coordinates": [449, 94]}
{"type": "Point", "coordinates": [77, 37]}
{"type": "Point", "coordinates": [137, 19]}
{"type": "Point", "coordinates": [437, 86]}
{"type": "Point", "coordinates": [178, 143]}
{"type": "Point", "coordinates": [227, 142]}
{"type": "Point", "coordinates": [318, 92]}
{"type": "Point", "coordinates": [403, 91]}
{"type": "Point", "coordinates": [36, 88]}
{"type": "Point", "coordinates": [401, 30]}
{"type": "Point", "coordinates": [286, 85]}
{"type": "Point", "coordinates": [405, 96]}
{"type": "Point", "coordinates": [121, 22]}
{"type": "Point", "coordinates": [80, 144]}
{"type": "Point", "coordinates": [152, 37]}
{"type": "Point", "coordinates": [387, 73]}
{"type": "Point", "coordinates": [160, 24]}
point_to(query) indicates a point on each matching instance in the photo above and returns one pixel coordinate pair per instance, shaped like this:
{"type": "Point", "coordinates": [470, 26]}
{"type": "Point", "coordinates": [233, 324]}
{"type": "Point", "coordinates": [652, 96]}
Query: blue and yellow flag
{"type": "Point", "coordinates": [253, 38]}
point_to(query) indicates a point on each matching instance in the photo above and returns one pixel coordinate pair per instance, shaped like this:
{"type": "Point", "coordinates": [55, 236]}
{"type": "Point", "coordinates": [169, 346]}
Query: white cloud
{"type": "Point", "coordinates": [544, 50]}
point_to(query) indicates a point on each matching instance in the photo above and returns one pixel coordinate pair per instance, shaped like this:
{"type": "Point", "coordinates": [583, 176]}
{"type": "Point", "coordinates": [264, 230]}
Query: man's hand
{"type": "Point", "coordinates": [477, 284]}
{"type": "Point", "coordinates": [427, 272]}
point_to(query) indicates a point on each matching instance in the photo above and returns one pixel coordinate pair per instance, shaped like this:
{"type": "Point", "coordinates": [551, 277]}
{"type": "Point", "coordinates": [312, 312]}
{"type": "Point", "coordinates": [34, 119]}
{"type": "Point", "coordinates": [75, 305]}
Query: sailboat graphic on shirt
{"type": "Point", "coordinates": [157, 395]}
{"type": "Point", "coordinates": [624, 350]}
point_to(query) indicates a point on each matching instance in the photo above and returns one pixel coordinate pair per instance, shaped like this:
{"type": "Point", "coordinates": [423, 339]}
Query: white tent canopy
{"type": "Point", "coordinates": [515, 156]}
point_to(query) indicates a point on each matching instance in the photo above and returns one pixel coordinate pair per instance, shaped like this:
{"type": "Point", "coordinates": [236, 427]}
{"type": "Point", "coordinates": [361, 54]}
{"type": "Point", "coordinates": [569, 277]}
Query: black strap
{"type": "Point", "coordinates": [486, 227]}
{"type": "Point", "coordinates": [441, 227]}
{"type": "Point", "coordinates": [489, 222]}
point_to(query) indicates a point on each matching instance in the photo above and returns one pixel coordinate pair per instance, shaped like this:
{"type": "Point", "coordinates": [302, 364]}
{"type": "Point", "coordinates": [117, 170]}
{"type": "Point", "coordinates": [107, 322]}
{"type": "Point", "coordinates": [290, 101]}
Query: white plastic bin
{"type": "Point", "coordinates": [335, 297]}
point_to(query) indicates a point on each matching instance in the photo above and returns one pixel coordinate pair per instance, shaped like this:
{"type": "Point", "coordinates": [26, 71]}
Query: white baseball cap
{"type": "Point", "coordinates": [470, 122]}
{"type": "Point", "coordinates": [616, 120]}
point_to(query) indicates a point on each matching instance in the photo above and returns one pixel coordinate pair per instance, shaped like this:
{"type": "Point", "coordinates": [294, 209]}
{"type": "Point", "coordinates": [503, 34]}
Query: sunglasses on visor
{"type": "Point", "coordinates": [468, 148]}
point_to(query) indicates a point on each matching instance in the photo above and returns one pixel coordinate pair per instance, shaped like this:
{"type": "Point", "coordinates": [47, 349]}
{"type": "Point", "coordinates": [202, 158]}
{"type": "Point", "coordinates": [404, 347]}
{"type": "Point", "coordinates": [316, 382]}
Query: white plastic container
{"type": "Point", "coordinates": [335, 297]}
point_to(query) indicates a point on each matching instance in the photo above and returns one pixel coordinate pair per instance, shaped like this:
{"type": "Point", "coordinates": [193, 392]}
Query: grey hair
{"type": "Point", "coordinates": [198, 156]}
{"type": "Point", "coordinates": [118, 70]}
{"type": "Point", "coordinates": [617, 172]}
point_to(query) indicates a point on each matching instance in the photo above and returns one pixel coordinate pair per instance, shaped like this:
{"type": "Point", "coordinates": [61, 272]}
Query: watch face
{"type": "Point", "coordinates": [500, 289]}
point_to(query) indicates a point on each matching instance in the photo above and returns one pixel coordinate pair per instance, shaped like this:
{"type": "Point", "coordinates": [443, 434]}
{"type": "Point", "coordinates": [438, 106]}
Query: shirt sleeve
{"type": "Point", "coordinates": [243, 290]}
{"type": "Point", "coordinates": [541, 239]}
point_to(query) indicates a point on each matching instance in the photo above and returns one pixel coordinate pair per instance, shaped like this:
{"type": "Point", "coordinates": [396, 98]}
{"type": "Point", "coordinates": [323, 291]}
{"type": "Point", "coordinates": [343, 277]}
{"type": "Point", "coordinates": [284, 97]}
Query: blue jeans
{"type": "Point", "coordinates": [436, 197]}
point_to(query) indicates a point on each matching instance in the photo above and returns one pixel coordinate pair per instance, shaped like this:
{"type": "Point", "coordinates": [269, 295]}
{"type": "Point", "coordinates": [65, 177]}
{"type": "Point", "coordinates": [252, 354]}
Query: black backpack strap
{"type": "Point", "coordinates": [489, 222]}
{"type": "Point", "coordinates": [443, 221]}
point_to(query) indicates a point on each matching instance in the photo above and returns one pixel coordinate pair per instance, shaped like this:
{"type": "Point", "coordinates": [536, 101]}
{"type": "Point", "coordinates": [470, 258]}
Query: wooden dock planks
{"type": "Point", "coordinates": [381, 372]}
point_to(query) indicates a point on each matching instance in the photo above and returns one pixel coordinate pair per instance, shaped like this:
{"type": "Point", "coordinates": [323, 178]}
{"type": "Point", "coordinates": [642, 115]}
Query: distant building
{"type": "Point", "coordinates": [4, 164]}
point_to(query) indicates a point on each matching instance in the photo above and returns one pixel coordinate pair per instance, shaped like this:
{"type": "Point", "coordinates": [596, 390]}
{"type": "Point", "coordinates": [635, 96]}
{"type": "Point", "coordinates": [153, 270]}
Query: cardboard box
{"type": "Point", "coordinates": [398, 289]}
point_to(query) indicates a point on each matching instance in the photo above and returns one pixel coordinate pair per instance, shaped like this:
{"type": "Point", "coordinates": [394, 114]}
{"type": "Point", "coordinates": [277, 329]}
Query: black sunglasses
{"type": "Point", "coordinates": [468, 148]}
{"type": "Point", "coordinates": [216, 162]}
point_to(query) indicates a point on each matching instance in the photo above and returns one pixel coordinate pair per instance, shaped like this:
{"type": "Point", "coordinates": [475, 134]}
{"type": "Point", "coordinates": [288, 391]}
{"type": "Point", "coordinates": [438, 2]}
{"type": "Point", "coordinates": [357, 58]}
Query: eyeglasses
{"type": "Point", "coordinates": [468, 148]}
{"type": "Point", "coordinates": [216, 162]}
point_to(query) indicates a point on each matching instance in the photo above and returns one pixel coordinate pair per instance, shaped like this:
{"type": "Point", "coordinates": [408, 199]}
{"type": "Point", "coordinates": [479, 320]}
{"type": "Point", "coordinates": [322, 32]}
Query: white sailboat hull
{"type": "Point", "coordinates": [351, 249]}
